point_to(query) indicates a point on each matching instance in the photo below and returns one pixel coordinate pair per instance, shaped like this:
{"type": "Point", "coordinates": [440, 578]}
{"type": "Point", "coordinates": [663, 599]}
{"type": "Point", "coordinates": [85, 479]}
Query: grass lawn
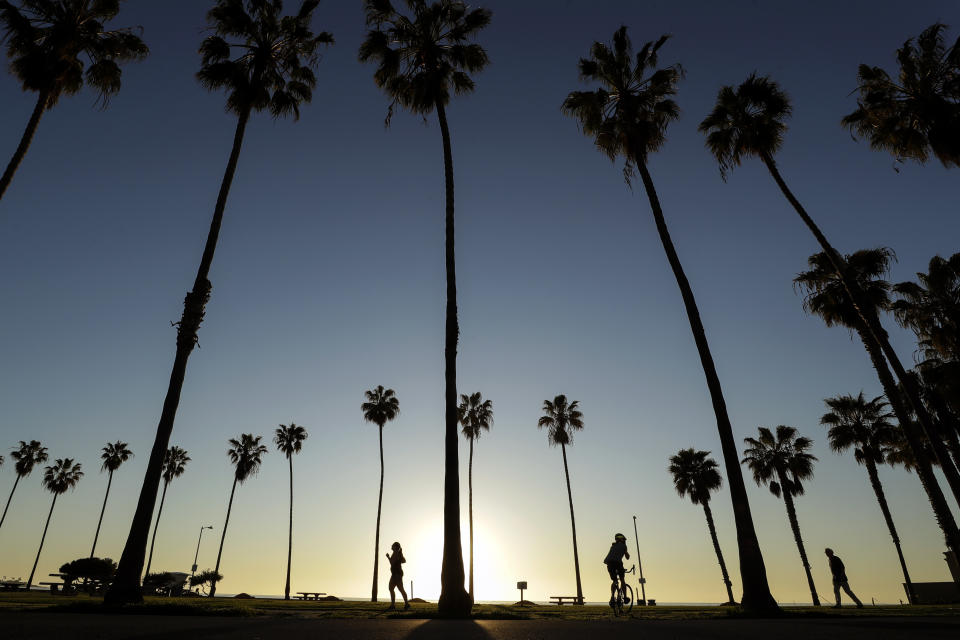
{"type": "Point", "coordinates": [47, 603]}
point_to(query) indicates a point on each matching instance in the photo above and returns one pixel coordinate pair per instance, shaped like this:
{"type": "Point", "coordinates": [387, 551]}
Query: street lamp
{"type": "Point", "coordinates": [643, 581]}
{"type": "Point", "coordinates": [197, 554]}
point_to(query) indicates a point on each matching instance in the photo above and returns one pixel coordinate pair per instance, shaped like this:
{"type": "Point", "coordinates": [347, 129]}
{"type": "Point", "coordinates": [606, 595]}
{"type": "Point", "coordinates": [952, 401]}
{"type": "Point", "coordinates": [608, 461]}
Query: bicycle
{"type": "Point", "coordinates": [623, 600]}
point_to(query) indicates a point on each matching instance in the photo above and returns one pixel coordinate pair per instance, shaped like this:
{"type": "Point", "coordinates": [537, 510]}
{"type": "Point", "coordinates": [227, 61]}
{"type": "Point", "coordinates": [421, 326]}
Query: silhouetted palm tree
{"type": "Point", "coordinates": [750, 121]}
{"type": "Point", "coordinates": [628, 117]}
{"type": "Point", "coordinates": [174, 464]}
{"type": "Point", "coordinates": [289, 440]}
{"type": "Point", "coordinates": [381, 406]}
{"type": "Point", "coordinates": [245, 454]}
{"type": "Point", "coordinates": [26, 455]}
{"type": "Point", "coordinates": [57, 478]}
{"type": "Point", "coordinates": [695, 475]}
{"type": "Point", "coordinates": [561, 420]}
{"type": "Point", "coordinates": [919, 112]}
{"type": "Point", "coordinates": [476, 416]}
{"type": "Point", "coordinates": [782, 463]}
{"type": "Point", "coordinates": [273, 70]}
{"type": "Point", "coordinates": [113, 456]}
{"type": "Point", "coordinates": [420, 59]}
{"type": "Point", "coordinates": [930, 307]}
{"type": "Point", "coordinates": [50, 42]}
{"type": "Point", "coordinates": [865, 427]}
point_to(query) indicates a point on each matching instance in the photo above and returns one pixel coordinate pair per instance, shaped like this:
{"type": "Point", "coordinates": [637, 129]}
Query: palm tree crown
{"type": "Point", "coordinates": [931, 308]}
{"type": "Point", "coordinates": [289, 438]}
{"type": "Point", "coordinates": [276, 55]}
{"type": "Point", "coordinates": [381, 406]}
{"type": "Point", "coordinates": [114, 455]}
{"type": "Point", "coordinates": [174, 463]}
{"type": "Point", "coordinates": [246, 454]}
{"type": "Point", "coordinates": [628, 115]}
{"type": "Point", "coordinates": [27, 455]}
{"type": "Point", "coordinates": [695, 475]}
{"type": "Point", "coordinates": [746, 121]}
{"type": "Point", "coordinates": [826, 295]}
{"type": "Point", "coordinates": [561, 419]}
{"type": "Point", "coordinates": [780, 461]}
{"type": "Point", "coordinates": [476, 415]}
{"type": "Point", "coordinates": [919, 112]}
{"type": "Point", "coordinates": [864, 425]}
{"type": "Point", "coordinates": [61, 475]}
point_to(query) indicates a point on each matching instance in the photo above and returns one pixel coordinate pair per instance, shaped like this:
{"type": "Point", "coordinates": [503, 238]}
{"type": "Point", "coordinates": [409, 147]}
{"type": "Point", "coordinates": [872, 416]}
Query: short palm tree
{"type": "Point", "coordinates": [113, 456]}
{"type": "Point", "coordinates": [696, 476]}
{"type": "Point", "coordinates": [421, 57]}
{"type": "Point", "coordinates": [246, 455]}
{"type": "Point", "coordinates": [289, 440]}
{"type": "Point", "coordinates": [381, 407]}
{"type": "Point", "coordinates": [782, 463]}
{"type": "Point", "coordinates": [750, 120]}
{"type": "Point", "coordinates": [174, 464]}
{"type": "Point", "coordinates": [562, 419]}
{"type": "Point", "coordinates": [865, 426]}
{"type": "Point", "coordinates": [26, 455]}
{"type": "Point", "coordinates": [918, 113]}
{"type": "Point", "coordinates": [57, 478]}
{"type": "Point", "coordinates": [50, 42]}
{"type": "Point", "coordinates": [476, 416]}
{"type": "Point", "coordinates": [273, 71]}
{"type": "Point", "coordinates": [628, 117]}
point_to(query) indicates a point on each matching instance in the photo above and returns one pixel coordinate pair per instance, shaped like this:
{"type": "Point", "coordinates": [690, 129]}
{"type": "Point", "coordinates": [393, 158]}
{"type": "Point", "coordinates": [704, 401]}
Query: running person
{"type": "Point", "coordinates": [614, 562]}
{"type": "Point", "coordinates": [396, 576]}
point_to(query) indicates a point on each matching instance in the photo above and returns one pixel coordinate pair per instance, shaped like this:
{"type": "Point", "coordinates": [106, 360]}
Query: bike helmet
{"type": "Point", "coordinates": [620, 537]}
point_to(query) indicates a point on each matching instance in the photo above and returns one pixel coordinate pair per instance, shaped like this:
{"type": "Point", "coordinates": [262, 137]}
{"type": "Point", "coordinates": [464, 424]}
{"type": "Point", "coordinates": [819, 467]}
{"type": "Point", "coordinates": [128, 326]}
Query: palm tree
{"type": "Point", "coordinates": [420, 59]}
{"type": "Point", "coordinates": [829, 298]}
{"type": "Point", "coordinates": [782, 463]}
{"type": "Point", "coordinates": [865, 426]}
{"type": "Point", "coordinates": [245, 454]}
{"type": "Point", "coordinates": [113, 456]}
{"type": "Point", "coordinates": [695, 475]}
{"type": "Point", "coordinates": [381, 407]}
{"type": "Point", "coordinates": [62, 475]}
{"type": "Point", "coordinates": [750, 121]}
{"type": "Point", "coordinates": [273, 70]}
{"type": "Point", "coordinates": [930, 307]}
{"type": "Point", "coordinates": [289, 440]}
{"type": "Point", "coordinates": [476, 416]}
{"type": "Point", "coordinates": [918, 113]}
{"type": "Point", "coordinates": [26, 455]}
{"type": "Point", "coordinates": [628, 117]}
{"type": "Point", "coordinates": [50, 42]}
{"type": "Point", "coordinates": [174, 463]}
{"type": "Point", "coordinates": [561, 420]}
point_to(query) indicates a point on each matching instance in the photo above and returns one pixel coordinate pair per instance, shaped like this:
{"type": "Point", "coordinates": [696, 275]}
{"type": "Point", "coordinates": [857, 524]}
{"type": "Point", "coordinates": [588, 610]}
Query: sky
{"type": "Point", "coordinates": [328, 280]}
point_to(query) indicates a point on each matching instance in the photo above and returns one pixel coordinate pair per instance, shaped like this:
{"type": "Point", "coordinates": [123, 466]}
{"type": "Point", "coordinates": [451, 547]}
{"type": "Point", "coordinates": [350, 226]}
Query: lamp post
{"type": "Point", "coordinates": [197, 554]}
{"type": "Point", "coordinates": [643, 581]}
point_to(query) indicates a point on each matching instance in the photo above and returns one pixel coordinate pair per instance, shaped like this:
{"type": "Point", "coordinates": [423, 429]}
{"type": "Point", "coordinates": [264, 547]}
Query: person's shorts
{"type": "Point", "coordinates": [396, 579]}
{"type": "Point", "coordinates": [616, 570]}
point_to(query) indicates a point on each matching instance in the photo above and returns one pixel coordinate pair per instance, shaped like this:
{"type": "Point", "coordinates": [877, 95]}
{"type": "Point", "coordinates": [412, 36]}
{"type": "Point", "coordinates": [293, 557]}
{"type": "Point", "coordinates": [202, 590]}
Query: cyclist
{"type": "Point", "coordinates": [614, 562]}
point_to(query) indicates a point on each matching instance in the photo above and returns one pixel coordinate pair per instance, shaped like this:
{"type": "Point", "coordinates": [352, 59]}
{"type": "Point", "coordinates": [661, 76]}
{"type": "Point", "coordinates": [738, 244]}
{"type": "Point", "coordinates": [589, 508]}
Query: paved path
{"type": "Point", "coordinates": [29, 626]}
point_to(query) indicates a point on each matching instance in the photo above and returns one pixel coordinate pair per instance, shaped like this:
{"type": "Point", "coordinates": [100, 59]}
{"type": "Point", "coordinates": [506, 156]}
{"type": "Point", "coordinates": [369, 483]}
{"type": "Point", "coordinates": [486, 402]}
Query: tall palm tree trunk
{"type": "Point", "coordinates": [125, 587]}
{"type": "Point", "coordinates": [102, 510]}
{"type": "Point", "coordinates": [573, 525]}
{"type": "Point", "coordinates": [42, 539]}
{"type": "Point", "coordinates": [753, 573]}
{"type": "Point", "coordinates": [376, 540]}
{"type": "Point", "coordinates": [4, 516]}
{"type": "Point", "coordinates": [223, 536]}
{"type": "Point", "coordinates": [156, 525]}
{"type": "Point", "coordinates": [872, 326]}
{"type": "Point", "coordinates": [454, 599]}
{"type": "Point", "coordinates": [795, 526]}
{"type": "Point", "coordinates": [286, 589]}
{"type": "Point", "coordinates": [470, 490]}
{"type": "Point", "coordinates": [885, 509]}
{"type": "Point", "coordinates": [25, 141]}
{"type": "Point", "coordinates": [716, 547]}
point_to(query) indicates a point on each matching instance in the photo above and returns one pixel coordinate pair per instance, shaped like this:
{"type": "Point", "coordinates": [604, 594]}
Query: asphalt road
{"type": "Point", "coordinates": [28, 626]}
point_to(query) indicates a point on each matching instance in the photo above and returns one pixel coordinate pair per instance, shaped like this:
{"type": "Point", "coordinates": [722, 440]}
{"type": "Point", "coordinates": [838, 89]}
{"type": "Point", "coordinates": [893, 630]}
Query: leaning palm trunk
{"type": "Point", "coordinates": [885, 509]}
{"type": "Point", "coordinates": [93, 549]}
{"type": "Point", "coordinates": [753, 573]}
{"type": "Point", "coordinates": [716, 547]}
{"type": "Point", "coordinates": [25, 141]}
{"type": "Point", "coordinates": [573, 525]}
{"type": "Point", "coordinates": [454, 599]}
{"type": "Point", "coordinates": [223, 536]}
{"type": "Point", "coordinates": [125, 587]}
{"type": "Point", "coordinates": [4, 516]}
{"type": "Point", "coordinates": [795, 526]}
{"type": "Point", "coordinates": [42, 539]}
{"type": "Point", "coordinates": [376, 540]}
{"type": "Point", "coordinates": [470, 490]}
{"type": "Point", "coordinates": [872, 326]}
{"type": "Point", "coordinates": [156, 525]}
{"type": "Point", "coordinates": [286, 589]}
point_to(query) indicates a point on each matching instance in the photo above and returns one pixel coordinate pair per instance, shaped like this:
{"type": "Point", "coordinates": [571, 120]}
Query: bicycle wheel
{"type": "Point", "coordinates": [627, 599]}
{"type": "Point", "coordinates": [618, 603]}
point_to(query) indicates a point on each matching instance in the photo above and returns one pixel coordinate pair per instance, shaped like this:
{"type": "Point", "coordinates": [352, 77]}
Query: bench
{"type": "Point", "coordinates": [54, 586]}
{"type": "Point", "coordinates": [560, 600]}
{"type": "Point", "coordinates": [310, 595]}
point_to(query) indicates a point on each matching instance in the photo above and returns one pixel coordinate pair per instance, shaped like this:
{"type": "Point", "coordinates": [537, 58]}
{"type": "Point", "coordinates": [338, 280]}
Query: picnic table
{"type": "Point", "coordinates": [310, 595]}
{"type": "Point", "coordinates": [11, 585]}
{"type": "Point", "coordinates": [561, 600]}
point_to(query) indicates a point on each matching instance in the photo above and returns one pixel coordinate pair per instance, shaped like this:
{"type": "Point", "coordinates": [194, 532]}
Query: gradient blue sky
{"type": "Point", "coordinates": [328, 281]}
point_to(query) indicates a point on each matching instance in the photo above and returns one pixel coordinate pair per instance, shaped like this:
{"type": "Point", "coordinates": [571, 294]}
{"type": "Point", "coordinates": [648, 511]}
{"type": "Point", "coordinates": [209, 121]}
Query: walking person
{"type": "Point", "coordinates": [396, 576]}
{"type": "Point", "coordinates": [840, 579]}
